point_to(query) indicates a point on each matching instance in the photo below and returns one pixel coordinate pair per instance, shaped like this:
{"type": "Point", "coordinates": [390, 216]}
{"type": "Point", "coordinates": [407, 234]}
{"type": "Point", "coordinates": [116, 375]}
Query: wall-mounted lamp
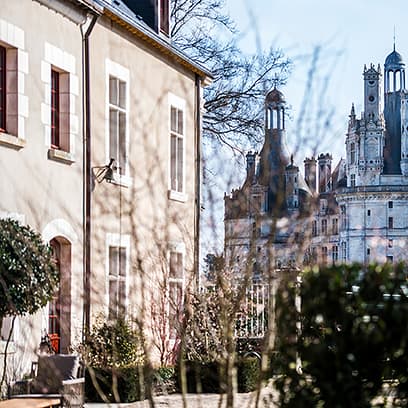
{"type": "Point", "coordinates": [104, 172]}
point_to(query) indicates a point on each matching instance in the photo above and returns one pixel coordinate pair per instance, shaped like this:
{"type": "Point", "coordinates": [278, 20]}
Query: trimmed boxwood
{"type": "Point", "coordinates": [208, 377]}
{"type": "Point", "coordinates": [127, 384]}
{"type": "Point", "coordinates": [248, 374]}
{"type": "Point", "coordinates": [201, 377]}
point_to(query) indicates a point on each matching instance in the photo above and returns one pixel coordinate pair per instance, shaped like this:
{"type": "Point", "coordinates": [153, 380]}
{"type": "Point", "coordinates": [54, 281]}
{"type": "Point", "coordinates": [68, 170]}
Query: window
{"type": "Point", "coordinates": [55, 110]}
{"type": "Point", "coordinates": [176, 283]}
{"type": "Point", "coordinates": [2, 89]}
{"type": "Point", "coordinates": [175, 308]}
{"type": "Point", "coordinates": [352, 180]}
{"type": "Point", "coordinates": [164, 16]}
{"type": "Point", "coordinates": [314, 254]}
{"type": "Point", "coordinates": [257, 203]}
{"type": "Point", "coordinates": [368, 213]}
{"type": "Point", "coordinates": [368, 251]}
{"type": "Point", "coordinates": [176, 265]}
{"type": "Point", "coordinates": [117, 281]}
{"type": "Point", "coordinates": [55, 304]}
{"type": "Point", "coordinates": [13, 108]}
{"type": "Point", "coordinates": [335, 253]}
{"type": "Point", "coordinates": [324, 227]}
{"type": "Point", "coordinates": [59, 108]}
{"type": "Point", "coordinates": [177, 149]}
{"type": "Point", "coordinates": [335, 226]}
{"type": "Point", "coordinates": [117, 124]}
{"type": "Point", "coordinates": [390, 258]}
{"type": "Point", "coordinates": [390, 204]}
{"type": "Point", "coordinates": [324, 254]}
{"type": "Point", "coordinates": [390, 222]}
{"type": "Point", "coordinates": [390, 243]}
{"type": "Point", "coordinates": [352, 153]}
{"type": "Point", "coordinates": [314, 228]}
{"type": "Point", "coordinates": [343, 216]}
{"type": "Point", "coordinates": [344, 250]}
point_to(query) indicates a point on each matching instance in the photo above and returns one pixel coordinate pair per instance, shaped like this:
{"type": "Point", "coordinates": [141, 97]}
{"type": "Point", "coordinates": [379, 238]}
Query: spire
{"type": "Point", "coordinates": [394, 37]}
{"type": "Point", "coordinates": [352, 112]}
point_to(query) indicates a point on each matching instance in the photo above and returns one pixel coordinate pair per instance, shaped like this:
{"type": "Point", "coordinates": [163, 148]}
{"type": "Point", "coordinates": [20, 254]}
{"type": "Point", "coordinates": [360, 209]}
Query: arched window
{"type": "Point", "coordinates": [274, 119]}
{"type": "Point", "coordinates": [390, 81]}
{"type": "Point", "coordinates": [397, 80]}
{"type": "Point", "coordinates": [54, 308]}
{"type": "Point", "coordinates": [59, 308]}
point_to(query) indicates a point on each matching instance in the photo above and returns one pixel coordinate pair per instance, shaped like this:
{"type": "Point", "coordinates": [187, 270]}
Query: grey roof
{"type": "Point", "coordinates": [394, 60]}
{"type": "Point", "coordinates": [275, 96]}
{"type": "Point", "coordinates": [119, 8]}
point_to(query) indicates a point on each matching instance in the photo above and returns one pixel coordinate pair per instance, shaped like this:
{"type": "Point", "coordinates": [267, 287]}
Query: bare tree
{"type": "Point", "coordinates": [233, 114]}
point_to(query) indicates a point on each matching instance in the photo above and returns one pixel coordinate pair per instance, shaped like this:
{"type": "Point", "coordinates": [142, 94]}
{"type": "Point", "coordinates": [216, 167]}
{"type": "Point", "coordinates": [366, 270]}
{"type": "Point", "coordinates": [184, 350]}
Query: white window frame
{"type": "Point", "coordinates": [59, 60]}
{"type": "Point", "coordinates": [113, 69]}
{"type": "Point", "coordinates": [122, 241]}
{"type": "Point", "coordinates": [180, 104]}
{"type": "Point", "coordinates": [12, 38]}
{"type": "Point", "coordinates": [352, 180]}
{"type": "Point", "coordinates": [178, 248]}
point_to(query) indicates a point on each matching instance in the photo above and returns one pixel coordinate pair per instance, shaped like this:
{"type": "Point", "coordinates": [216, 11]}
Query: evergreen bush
{"type": "Point", "coordinates": [115, 365]}
{"type": "Point", "coordinates": [352, 338]}
{"type": "Point", "coordinates": [248, 374]}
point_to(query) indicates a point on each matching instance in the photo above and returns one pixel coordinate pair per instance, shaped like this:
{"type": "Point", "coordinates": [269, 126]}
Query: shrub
{"type": "Point", "coordinates": [354, 334]}
{"type": "Point", "coordinates": [28, 277]}
{"type": "Point", "coordinates": [126, 380]}
{"type": "Point", "coordinates": [165, 380]}
{"type": "Point", "coordinates": [202, 377]}
{"type": "Point", "coordinates": [248, 373]}
{"type": "Point", "coordinates": [114, 357]}
{"type": "Point", "coordinates": [113, 345]}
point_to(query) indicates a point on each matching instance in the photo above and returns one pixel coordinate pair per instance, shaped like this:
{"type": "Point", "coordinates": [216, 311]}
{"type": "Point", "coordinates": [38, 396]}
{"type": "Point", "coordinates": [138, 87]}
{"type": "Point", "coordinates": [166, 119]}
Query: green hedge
{"type": "Point", "coordinates": [127, 384]}
{"type": "Point", "coordinates": [248, 374]}
{"type": "Point", "coordinates": [209, 377]}
{"type": "Point", "coordinates": [201, 377]}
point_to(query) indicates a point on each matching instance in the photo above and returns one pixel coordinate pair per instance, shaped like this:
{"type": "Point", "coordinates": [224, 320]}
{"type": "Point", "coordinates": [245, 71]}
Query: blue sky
{"type": "Point", "coordinates": [350, 34]}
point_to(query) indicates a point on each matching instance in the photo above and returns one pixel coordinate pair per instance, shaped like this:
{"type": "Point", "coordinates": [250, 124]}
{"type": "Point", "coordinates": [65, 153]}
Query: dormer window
{"type": "Point", "coordinates": [155, 13]}
{"type": "Point", "coordinates": [164, 17]}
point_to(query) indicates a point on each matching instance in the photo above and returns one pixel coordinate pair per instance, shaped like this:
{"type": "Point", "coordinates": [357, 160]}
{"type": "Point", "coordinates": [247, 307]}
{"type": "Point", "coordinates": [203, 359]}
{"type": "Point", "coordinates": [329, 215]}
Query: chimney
{"type": "Point", "coordinates": [250, 166]}
{"type": "Point", "coordinates": [310, 173]}
{"type": "Point", "coordinates": [324, 161]}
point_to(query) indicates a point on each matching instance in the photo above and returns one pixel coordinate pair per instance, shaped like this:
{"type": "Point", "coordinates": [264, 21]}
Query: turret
{"type": "Point", "coordinates": [394, 80]}
{"type": "Point", "coordinates": [310, 173]}
{"type": "Point", "coordinates": [352, 118]}
{"type": "Point", "coordinates": [250, 166]}
{"type": "Point", "coordinates": [325, 162]}
{"type": "Point", "coordinates": [394, 73]}
{"type": "Point", "coordinates": [372, 93]}
{"type": "Point", "coordinates": [292, 186]}
{"type": "Point", "coordinates": [274, 157]}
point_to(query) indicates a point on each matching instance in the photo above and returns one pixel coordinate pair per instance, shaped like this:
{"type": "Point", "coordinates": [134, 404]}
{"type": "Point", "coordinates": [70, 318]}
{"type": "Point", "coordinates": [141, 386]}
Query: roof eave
{"type": "Point", "coordinates": [160, 45]}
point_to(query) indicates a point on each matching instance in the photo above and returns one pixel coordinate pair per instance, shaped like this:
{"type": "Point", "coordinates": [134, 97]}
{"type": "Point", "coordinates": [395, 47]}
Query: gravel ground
{"type": "Point", "coordinates": [198, 401]}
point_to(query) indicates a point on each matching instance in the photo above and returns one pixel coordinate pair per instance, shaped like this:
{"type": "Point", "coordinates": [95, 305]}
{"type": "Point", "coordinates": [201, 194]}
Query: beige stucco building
{"type": "Point", "coordinates": [84, 82]}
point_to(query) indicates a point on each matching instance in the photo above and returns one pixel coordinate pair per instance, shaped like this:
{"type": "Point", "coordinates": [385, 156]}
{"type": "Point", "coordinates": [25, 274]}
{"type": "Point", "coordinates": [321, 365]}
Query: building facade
{"type": "Point", "coordinates": [146, 101]}
{"type": "Point", "coordinates": [353, 212]}
{"type": "Point", "coordinates": [265, 219]}
{"type": "Point", "coordinates": [100, 121]}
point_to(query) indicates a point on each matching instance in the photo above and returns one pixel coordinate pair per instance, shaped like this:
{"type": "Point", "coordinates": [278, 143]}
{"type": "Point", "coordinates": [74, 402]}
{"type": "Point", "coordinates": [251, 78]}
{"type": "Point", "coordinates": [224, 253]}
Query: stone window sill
{"type": "Point", "coordinates": [177, 196]}
{"type": "Point", "coordinates": [121, 180]}
{"type": "Point", "coordinates": [61, 156]}
{"type": "Point", "coordinates": [11, 141]}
